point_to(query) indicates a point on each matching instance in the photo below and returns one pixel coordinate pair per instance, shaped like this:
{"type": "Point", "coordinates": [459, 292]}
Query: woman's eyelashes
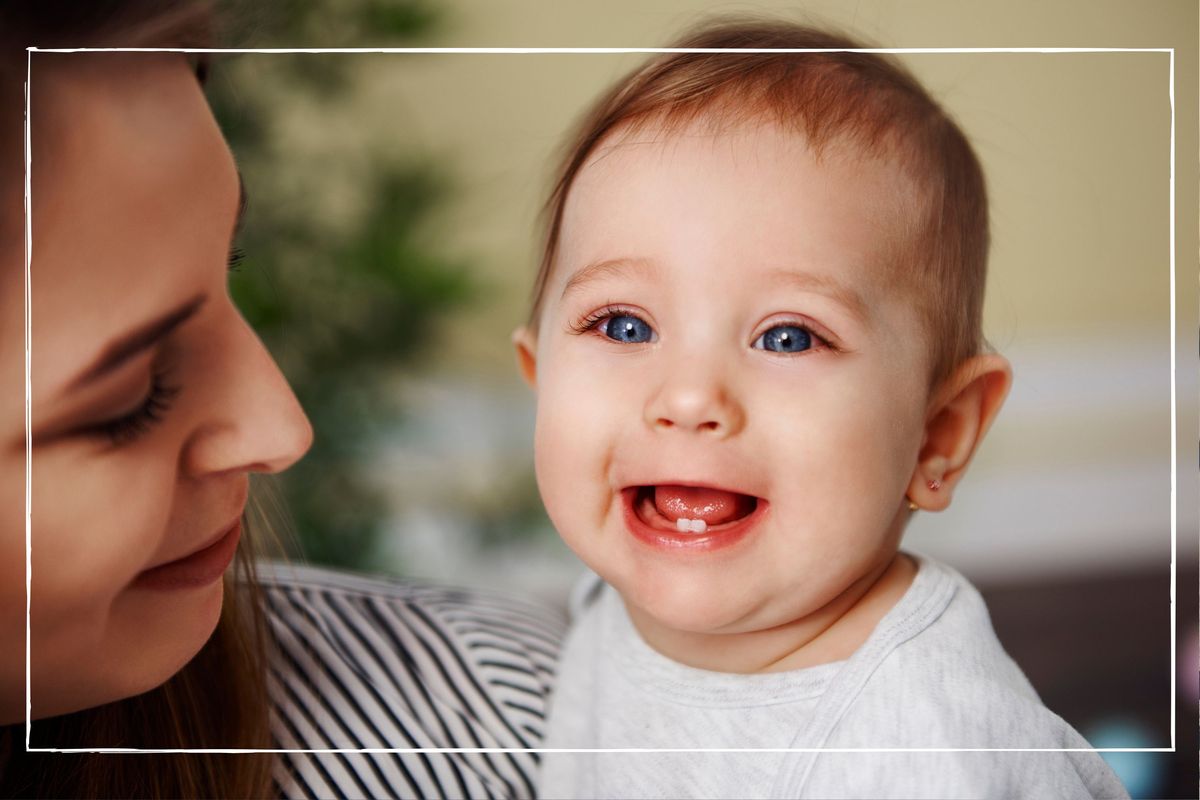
{"type": "Point", "coordinates": [236, 256]}
{"type": "Point", "coordinates": [150, 411]}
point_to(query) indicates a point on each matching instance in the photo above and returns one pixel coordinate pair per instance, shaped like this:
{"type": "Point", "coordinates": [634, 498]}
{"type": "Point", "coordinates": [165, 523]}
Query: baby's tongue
{"type": "Point", "coordinates": [714, 506]}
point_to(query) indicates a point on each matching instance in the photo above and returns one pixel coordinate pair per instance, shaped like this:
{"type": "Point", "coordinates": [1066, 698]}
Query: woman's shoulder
{"type": "Point", "coordinates": [454, 603]}
{"type": "Point", "coordinates": [383, 628]}
{"type": "Point", "coordinates": [364, 662]}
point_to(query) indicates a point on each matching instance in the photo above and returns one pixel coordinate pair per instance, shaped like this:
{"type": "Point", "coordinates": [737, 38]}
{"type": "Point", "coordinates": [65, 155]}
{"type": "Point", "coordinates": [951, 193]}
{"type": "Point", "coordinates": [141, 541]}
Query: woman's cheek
{"type": "Point", "coordinates": [12, 550]}
{"type": "Point", "coordinates": [98, 520]}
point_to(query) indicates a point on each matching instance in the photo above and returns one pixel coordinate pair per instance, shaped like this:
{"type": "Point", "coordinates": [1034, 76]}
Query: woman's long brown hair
{"type": "Point", "coordinates": [219, 700]}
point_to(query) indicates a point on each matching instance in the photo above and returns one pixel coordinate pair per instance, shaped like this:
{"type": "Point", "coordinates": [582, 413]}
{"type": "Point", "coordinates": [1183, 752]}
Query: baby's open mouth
{"type": "Point", "coordinates": [691, 509]}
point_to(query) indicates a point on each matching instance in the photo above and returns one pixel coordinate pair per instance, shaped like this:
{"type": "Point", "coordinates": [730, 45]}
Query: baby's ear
{"type": "Point", "coordinates": [963, 409]}
{"type": "Point", "coordinates": [525, 341]}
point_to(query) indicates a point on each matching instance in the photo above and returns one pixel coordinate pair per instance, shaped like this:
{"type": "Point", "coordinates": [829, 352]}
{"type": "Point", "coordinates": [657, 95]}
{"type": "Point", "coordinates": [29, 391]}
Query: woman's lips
{"type": "Point", "coordinates": [645, 522]}
{"type": "Point", "coordinates": [201, 568]}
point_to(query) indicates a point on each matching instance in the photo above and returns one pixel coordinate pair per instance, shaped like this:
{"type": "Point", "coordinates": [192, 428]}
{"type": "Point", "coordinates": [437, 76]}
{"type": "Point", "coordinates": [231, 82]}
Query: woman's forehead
{"type": "Point", "coordinates": [132, 189]}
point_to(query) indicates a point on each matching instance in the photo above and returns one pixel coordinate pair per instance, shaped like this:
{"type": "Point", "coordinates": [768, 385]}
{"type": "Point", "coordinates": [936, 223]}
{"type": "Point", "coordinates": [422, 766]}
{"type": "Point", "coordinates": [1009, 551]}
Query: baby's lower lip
{"type": "Point", "coordinates": [666, 536]}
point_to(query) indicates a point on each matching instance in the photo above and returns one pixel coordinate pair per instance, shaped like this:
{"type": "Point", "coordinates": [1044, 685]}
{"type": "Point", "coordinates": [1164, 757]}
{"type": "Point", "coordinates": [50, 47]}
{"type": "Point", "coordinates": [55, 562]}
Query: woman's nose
{"type": "Point", "coordinates": [696, 397]}
{"type": "Point", "coordinates": [255, 422]}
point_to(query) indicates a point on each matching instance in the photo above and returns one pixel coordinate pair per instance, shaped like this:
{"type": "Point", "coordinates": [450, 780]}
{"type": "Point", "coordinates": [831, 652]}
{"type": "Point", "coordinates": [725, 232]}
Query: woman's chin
{"type": "Point", "coordinates": [182, 625]}
{"type": "Point", "coordinates": [150, 637]}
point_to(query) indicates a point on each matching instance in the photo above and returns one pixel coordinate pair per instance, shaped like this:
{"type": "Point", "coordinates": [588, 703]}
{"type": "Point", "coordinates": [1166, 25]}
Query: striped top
{"type": "Point", "coordinates": [365, 663]}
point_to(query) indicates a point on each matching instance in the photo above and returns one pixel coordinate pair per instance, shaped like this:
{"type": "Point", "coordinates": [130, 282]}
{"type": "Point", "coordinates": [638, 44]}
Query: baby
{"type": "Point", "coordinates": [756, 348]}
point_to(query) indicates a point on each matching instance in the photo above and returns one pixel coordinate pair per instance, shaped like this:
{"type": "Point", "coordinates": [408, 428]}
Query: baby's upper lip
{"type": "Point", "coordinates": [696, 483]}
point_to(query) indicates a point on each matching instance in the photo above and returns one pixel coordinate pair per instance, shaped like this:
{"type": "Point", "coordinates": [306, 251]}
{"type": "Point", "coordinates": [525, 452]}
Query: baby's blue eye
{"type": "Point", "coordinates": [628, 329]}
{"type": "Point", "coordinates": [785, 339]}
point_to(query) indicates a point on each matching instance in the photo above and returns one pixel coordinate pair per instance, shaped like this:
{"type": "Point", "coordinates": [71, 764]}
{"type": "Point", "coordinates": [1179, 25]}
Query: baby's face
{"type": "Point", "coordinates": [731, 390]}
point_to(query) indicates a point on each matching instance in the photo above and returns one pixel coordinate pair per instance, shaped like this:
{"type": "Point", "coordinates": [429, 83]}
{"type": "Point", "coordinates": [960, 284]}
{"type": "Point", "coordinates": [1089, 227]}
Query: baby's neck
{"type": "Point", "coordinates": [831, 633]}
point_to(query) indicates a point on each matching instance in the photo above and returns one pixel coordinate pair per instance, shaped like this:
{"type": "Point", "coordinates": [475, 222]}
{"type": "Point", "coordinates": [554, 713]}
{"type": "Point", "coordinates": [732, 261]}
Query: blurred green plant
{"type": "Point", "coordinates": [343, 291]}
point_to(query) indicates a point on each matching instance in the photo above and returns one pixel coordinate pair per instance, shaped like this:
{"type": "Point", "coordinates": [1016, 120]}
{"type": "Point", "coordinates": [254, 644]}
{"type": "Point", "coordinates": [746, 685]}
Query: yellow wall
{"type": "Point", "coordinates": [1075, 145]}
{"type": "Point", "coordinates": [1076, 148]}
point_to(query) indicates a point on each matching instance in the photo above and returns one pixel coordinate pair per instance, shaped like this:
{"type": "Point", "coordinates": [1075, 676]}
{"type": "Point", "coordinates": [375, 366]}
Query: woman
{"type": "Point", "coordinates": [152, 403]}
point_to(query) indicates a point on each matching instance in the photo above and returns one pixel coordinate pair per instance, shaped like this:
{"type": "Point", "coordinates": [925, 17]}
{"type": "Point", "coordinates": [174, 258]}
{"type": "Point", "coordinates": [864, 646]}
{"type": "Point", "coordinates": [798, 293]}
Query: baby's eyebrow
{"type": "Point", "coordinates": [608, 268]}
{"type": "Point", "coordinates": [805, 281]}
{"type": "Point", "coordinates": [823, 284]}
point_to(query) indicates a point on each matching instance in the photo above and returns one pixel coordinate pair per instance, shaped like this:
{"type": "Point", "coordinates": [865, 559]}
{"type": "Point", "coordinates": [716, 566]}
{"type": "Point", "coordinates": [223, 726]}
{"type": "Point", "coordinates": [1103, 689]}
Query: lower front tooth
{"type": "Point", "coordinates": [686, 525]}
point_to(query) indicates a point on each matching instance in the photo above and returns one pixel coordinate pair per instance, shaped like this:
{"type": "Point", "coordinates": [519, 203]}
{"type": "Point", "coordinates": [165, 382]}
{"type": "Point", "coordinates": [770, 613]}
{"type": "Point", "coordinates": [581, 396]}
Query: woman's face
{"type": "Point", "coordinates": [151, 398]}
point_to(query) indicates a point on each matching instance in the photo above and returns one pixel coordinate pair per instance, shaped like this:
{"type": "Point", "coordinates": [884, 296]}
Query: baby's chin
{"type": "Point", "coordinates": [674, 608]}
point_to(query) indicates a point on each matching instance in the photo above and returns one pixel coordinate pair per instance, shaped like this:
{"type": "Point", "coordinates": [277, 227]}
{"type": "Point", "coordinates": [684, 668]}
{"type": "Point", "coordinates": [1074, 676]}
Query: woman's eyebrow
{"type": "Point", "coordinates": [142, 338]}
{"type": "Point", "coordinates": [137, 341]}
{"type": "Point", "coordinates": [241, 209]}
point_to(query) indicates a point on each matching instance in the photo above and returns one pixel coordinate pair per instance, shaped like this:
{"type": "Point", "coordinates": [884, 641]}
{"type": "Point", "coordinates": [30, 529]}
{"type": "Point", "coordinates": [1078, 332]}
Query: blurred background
{"type": "Point", "coordinates": [391, 240]}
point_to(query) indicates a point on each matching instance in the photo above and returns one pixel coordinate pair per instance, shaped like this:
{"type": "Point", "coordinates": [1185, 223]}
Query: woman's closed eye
{"type": "Point", "coordinates": [133, 424]}
{"type": "Point", "coordinates": [236, 256]}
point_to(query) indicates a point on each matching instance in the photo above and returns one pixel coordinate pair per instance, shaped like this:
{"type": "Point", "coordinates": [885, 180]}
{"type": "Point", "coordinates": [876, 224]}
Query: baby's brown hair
{"type": "Point", "coordinates": [867, 101]}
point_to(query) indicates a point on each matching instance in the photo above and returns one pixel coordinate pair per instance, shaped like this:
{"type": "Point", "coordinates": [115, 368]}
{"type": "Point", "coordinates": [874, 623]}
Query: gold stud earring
{"type": "Point", "coordinates": [911, 505]}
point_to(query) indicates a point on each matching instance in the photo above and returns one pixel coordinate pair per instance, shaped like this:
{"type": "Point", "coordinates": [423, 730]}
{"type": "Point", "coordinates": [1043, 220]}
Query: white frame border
{"type": "Point", "coordinates": [611, 51]}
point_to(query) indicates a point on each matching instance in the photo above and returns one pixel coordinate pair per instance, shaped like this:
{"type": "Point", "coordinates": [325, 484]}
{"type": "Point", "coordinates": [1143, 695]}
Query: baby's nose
{"type": "Point", "coordinates": [697, 403]}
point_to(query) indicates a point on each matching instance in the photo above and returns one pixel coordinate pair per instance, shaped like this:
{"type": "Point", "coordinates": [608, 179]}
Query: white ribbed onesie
{"type": "Point", "coordinates": [931, 675]}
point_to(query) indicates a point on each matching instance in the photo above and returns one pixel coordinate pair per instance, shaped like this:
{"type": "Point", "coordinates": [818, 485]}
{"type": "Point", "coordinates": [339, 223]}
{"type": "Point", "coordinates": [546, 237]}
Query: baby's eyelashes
{"type": "Point", "coordinates": [618, 324]}
{"type": "Point", "coordinates": [627, 326]}
{"type": "Point", "coordinates": [791, 337]}
{"type": "Point", "coordinates": [785, 339]}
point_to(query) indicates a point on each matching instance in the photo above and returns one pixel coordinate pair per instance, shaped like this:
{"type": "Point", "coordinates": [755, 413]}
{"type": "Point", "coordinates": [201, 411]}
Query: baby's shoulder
{"type": "Point", "coordinates": [953, 685]}
{"type": "Point", "coordinates": [949, 686]}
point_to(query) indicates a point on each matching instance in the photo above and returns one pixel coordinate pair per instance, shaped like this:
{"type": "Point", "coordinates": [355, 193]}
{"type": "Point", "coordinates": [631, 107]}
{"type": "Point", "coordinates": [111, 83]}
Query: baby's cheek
{"type": "Point", "coordinates": [873, 462]}
{"type": "Point", "coordinates": [571, 449]}
{"type": "Point", "coordinates": [837, 457]}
